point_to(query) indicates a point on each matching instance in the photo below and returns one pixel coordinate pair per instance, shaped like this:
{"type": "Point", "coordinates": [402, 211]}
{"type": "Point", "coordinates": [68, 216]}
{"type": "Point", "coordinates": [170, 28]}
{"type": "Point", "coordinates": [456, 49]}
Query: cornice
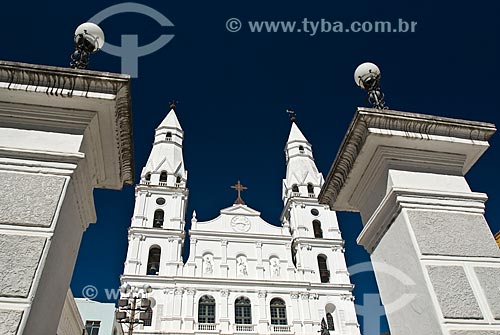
{"type": "Point", "coordinates": [258, 285]}
{"type": "Point", "coordinates": [367, 118]}
{"type": "Point", "coordinates": [237, 237]}
{"type": "Point", "coordinates": [62, 84]}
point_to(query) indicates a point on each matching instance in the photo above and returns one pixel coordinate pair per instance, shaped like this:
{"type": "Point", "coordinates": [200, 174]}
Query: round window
{"type": "Point", "coordinates": [314, 212]}
{"type": "Point", "coordinates": [160, 201]}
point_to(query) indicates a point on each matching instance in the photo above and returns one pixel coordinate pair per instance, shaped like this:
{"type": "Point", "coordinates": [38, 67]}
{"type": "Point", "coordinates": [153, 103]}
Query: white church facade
{"type": "Point", "coordinates": [243, 275]}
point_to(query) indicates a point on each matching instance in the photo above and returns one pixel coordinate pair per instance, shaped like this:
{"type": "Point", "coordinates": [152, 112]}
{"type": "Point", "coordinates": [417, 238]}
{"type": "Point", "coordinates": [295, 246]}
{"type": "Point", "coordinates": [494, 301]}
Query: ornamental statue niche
{"type": "Point", "coordinates": [275, 267]}
{"type": "Point", "coordinates": [208, 264]}
{"type": "Point", "coordinates": [241, 264]}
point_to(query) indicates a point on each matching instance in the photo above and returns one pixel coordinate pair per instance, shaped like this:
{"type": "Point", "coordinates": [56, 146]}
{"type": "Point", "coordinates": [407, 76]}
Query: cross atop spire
{"type": "Point", "coordinates": [238, 187]}
{"type": "Point", "coordinates": [173, 104]}
{"type": "Point", "coordinates": [292, 115]}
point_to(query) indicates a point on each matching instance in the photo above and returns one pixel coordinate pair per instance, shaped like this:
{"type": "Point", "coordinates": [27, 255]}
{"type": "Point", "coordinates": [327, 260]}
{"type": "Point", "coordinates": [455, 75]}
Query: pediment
{"type": "Point", "coordinates": [239, 209]}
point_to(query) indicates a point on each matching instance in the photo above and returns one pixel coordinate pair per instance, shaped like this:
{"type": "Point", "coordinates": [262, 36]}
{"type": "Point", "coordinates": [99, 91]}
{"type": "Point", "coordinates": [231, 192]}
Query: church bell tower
{"type": "Point", "coordinates": [317, 246]}
{"type": "Point", "coordinates": [156, 234]}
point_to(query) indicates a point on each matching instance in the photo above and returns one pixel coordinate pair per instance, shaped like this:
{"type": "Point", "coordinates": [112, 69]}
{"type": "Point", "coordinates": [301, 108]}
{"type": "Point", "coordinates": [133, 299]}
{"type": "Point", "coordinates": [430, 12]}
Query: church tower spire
{"type": "Point", "coordinates": [302, 176]}
{"type": "Point", "coordinates": [157, 227]}
{"type": "Point", "coordinates": [165, 165]}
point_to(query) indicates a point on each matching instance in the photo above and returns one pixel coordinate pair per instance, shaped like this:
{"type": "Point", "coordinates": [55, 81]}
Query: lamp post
{"type": "Point", "coordinates": [135, 303]}
{"type": "Point", "coordinates": [367, 76]}
{"type": "Point", "coordinates": [89, 38]}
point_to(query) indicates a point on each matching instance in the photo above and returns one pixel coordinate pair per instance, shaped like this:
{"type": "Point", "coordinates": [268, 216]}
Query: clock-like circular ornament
{"type": "Point", "coordinates": [240, 224]}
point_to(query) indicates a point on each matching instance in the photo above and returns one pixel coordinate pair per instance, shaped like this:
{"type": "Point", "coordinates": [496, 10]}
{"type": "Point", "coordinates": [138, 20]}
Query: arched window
{"type": "Point", "coordinates": [318, 232]}
{"type": "Point", "coordinates": [163, 177]}
{"type": "Point", "coordinates": [310, 189]}
{"type": "Point", "coordinates": [147, 176]}
{"type": "Point", "coordinates": [153, 261]}
{"type": "Point", "coordinates": [147, 316]}
{"type": "Point", "coordinates": [278, 312]}
{"type": "Point", "coordinates": [169, 136]}
{"type": "Point", "coordinates": [242, 311]}
{"type": "Point", "coordinates": [324, 274]}
{"type": "Point", "coordinates": [158, 219]}
{"type": "Point", "coordinates": [329, 321]}
{"type": "Point", "coordinates": [295, 188]}
{"type": "Point", "coordinates": [206, 309]}
{"type": "Point", "coordinates": [301, 149]}
{"type": "Point", "coordinates": [178, 180]}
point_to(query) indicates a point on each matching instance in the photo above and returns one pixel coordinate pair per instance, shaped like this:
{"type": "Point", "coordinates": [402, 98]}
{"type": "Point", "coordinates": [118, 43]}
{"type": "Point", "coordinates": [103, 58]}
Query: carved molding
{"type": "Point", "coordinates": [313, 296]}
{"type": "Point", "coordinates": [224, 293]}
{"type": "Point", "coordinates": [338, 248]}
{"type": "Point", "coordinates": [367, 118]}
{"type": "Point", "coordinates": [262, 294]}
{"type": "Point", "coordinates": [347, 297]}
{"type": "Point", "coordinates": [294, 295]}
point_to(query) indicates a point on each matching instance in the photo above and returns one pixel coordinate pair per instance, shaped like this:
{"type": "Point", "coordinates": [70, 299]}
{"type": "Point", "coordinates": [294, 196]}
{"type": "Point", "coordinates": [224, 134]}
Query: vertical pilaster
{"type": "Point", "coordinates": [224, 267]}
{"type": "Point", "coordinates": [263, 318]}
{"type": "Point", "coordinates": [224, 311]}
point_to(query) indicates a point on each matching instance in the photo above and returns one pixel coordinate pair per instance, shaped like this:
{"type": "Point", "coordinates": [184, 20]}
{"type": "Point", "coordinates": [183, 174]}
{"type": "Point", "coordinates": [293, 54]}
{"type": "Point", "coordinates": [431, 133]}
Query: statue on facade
{"type": "Point", "coordinates": [209, 266]}
{"type": "Point", "coordinates": [275, 266]}
{"type": "Point", "coordinates": [242, 266]}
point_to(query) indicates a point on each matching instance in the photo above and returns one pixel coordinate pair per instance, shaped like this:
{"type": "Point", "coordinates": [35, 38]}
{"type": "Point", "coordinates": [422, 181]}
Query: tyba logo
{"type": "Point", "coordinates": [130, 51]}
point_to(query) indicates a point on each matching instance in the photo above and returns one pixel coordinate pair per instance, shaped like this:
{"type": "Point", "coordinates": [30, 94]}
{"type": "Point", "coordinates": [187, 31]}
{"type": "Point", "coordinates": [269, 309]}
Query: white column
{"type": "Point", "coordinates": [260, 266]}
{"type": "Point", "coordinates": [297, 317]}
{"type": "Point", "coordinates": [262, 318]}
{"type": "Point", "coordinates": [224, 319]}
{"type": "Point", "coordinates": [290, 268]}
{"type": "Point", "coordinates": [435, 260]}
{"type": "Point", "coordinates": [188, 310]}
{"type": "Point", "coordinates": [190, 267]}
{"type": "Point", "coordinates": [177, 307]}
{"type": "Point", "coordinates": [61, 135]}
{"type": "Point", "coordinates": [224, 267]}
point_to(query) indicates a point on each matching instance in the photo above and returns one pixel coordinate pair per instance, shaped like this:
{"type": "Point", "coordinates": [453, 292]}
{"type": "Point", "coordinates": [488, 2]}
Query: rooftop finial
{"type": "Point", "coordinates": [292, 114]}
{"type": "Point", "coordinates": [173, 104]}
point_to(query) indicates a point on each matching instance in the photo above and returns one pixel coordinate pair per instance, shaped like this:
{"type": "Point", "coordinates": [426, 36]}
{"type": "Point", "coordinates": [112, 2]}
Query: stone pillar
{"type": "Point", "coordinates": [224, 267]}
{"type": "Point", "coordinates": [63, 132]}
{"type": "Point", "coordinates": [263, 320]}
{"type": "Point", "coordinates": [290, 268]}
{"type": "Point", "coordinates": [190, 268]}
{"type": "Point", "coordinates": [224, 311]}
{"type": "Point", "coordinates": [260, 265]}
{"type": "Point", "coordinates": [188, 310]}
{"type": "Point", "coordinates": [435, 260]}
{"type": "Point", "coordinates": [177, 307]}
{"type": "Point", "coordinates": [297, 317]}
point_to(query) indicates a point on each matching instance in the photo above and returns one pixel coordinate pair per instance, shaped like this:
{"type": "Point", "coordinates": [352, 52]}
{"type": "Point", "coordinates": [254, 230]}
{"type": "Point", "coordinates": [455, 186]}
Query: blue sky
{"type": "Point", "coordinates": [233, 89]}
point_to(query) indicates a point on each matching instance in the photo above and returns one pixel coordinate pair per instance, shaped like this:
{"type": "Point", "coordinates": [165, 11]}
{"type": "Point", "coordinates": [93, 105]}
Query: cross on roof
{"type": "Point", "coordinates": [292, 114]}
{"type": "Point", "coordinates": [238, 187]}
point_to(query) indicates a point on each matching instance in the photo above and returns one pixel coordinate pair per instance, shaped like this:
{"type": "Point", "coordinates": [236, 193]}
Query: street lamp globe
{"type": "Point", "coordinates": [367, 75]}
{"type": "Point", "coordinates": [92, 35]}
